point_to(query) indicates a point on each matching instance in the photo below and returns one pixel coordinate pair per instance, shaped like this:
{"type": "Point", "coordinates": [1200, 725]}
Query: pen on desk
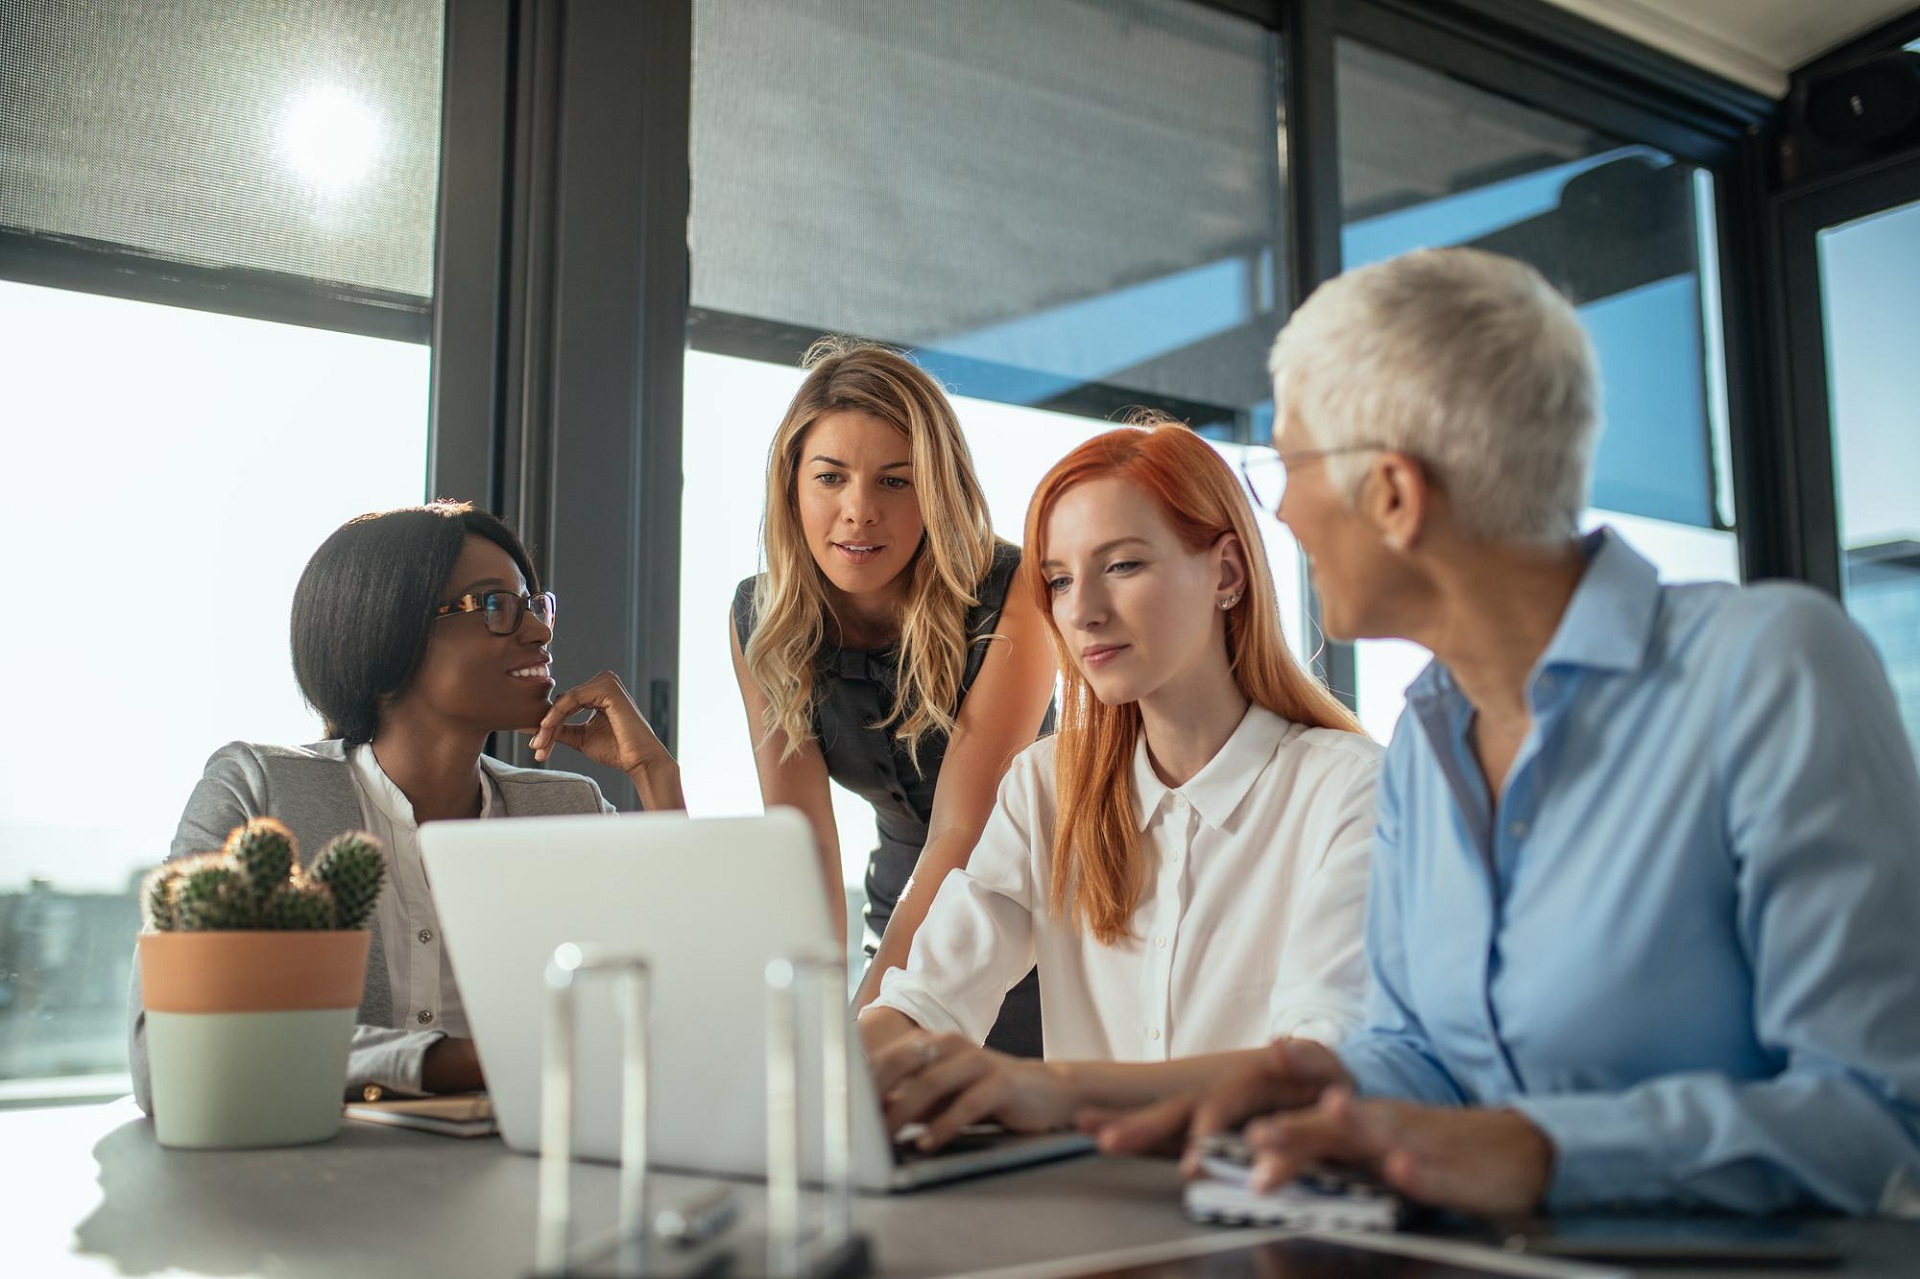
{"type": "Point", "coordinates": [694, 1221]}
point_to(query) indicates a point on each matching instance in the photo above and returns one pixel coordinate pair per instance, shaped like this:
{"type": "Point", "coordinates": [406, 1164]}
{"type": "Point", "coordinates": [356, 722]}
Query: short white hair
{"type": "Point", "coordinates": [1466, 360]}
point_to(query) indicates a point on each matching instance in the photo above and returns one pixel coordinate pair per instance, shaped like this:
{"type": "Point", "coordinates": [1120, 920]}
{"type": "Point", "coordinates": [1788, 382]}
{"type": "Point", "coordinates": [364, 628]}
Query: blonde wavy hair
{"type": "Point", "coordinates": [953, 558]}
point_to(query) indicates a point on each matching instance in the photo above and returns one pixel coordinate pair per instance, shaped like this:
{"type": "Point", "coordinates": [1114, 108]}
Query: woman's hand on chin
{"type": "Point", "coordinates": [614, 733]}
{"type": "Point", "coordinates": [947, 1083]}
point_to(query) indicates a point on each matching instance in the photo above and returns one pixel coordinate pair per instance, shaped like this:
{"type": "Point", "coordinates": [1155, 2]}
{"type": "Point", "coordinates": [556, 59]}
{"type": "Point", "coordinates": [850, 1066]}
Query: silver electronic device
{"type": "Point", "coordinates": [708, 903]}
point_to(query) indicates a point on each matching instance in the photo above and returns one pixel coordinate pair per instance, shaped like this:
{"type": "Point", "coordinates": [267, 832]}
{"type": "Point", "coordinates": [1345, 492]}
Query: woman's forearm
{"type": "Point", "coordinates": [826, 841]}
{"type": "Point", "coordinates": [881, 1026]}
{"type": "Point", "coordinates": [909, 913]}
{"type": "Point", "coordinates": [451, 1065]}
{"type": "Point", "coordinates": [1122, 1085]}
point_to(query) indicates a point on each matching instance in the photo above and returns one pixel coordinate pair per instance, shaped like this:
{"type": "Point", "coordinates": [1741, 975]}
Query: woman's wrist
{"type": "Point", "coordinates": [879, 1027]}
{"type": "Point", "coordinates": [658, 784]}
{"type": "Point", "coordinates": [1064, 1082]}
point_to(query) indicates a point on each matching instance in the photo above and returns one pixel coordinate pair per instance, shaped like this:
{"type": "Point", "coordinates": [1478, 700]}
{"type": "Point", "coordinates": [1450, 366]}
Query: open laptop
{"type": "Point", "coordinates": [708, 903]}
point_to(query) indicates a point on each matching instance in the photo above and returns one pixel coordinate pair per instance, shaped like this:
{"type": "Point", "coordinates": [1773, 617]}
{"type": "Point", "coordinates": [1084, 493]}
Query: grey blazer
{"type": "Point", "coordinates": [311, 789]}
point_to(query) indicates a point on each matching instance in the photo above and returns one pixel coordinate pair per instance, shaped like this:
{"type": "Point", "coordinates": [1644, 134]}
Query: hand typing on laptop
{"type": "Point", "coordinates": [947, 1084]}
{"type": "Point", "coordinates": [1288, 1074]}
{"type": "Point", "coordinates": [1295, 1108]}
{"type": "Point", "coordinates": [1481, 1160]}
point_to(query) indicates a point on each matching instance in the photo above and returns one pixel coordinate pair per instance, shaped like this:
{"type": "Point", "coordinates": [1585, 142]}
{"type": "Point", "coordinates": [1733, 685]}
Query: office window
{"type": "Point", "coordinates": [1624, 231]}
{"type": "Point", "coordinates": [1870, 282]}
{"type": "Point", "coordinates": [298, 136]}
{"type": "Point", "coordinates": [169, 471]}
{"type": "Point", "coordinates": [160, 516]}
{"type": "Point", "coordinates": [1071, 205]}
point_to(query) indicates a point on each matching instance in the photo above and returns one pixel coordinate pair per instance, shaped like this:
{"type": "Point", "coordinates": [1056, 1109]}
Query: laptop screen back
{"type": "Point", "coordinates": [707, 903]}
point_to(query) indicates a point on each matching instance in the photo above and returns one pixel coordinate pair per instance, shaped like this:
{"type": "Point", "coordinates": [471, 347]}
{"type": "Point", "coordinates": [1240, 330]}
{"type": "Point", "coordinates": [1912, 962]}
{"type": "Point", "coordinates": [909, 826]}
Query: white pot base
{"type": "Point", "coordinates": [230, 1081]}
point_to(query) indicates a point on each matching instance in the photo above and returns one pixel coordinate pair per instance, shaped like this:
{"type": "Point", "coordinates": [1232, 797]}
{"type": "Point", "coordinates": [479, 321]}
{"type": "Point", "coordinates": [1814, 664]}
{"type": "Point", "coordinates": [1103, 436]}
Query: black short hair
{"type": "Point", "coordinates": [363, 610]}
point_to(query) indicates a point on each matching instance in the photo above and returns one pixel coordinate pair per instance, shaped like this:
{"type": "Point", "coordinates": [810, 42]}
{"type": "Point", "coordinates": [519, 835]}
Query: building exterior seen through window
{"type": "Point", "coordinates": [192, 486]}
{"type": "Point", "coordinates": [1624, 231]}
{"type": "Point", "coordinates": [1870, 280]}
{"type": "Point", "coordinates": [169, 471]}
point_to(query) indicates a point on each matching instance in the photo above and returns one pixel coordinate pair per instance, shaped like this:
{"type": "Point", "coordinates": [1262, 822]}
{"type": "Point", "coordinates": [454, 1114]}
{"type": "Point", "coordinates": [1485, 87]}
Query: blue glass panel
{"type": "Point", "coordinates": [1653, 456]}
{"type": "Point", "coordinates": [1428, 161]}
{"type": "Point", "coordinates": [1870, 286]}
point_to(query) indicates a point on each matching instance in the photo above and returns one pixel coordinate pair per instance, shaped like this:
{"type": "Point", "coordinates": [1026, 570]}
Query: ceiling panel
{"type": "Point", "coordinates": [1757, 43]}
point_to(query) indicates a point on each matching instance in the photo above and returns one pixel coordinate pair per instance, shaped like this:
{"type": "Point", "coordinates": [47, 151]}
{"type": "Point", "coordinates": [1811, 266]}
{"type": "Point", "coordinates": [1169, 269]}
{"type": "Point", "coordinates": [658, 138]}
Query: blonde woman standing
{"type": "Point", "coordinates": [881, 649]}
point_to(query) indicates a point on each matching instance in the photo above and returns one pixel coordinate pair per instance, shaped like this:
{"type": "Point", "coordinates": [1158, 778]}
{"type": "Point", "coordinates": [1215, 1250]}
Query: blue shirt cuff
{"type": "Point", "coordinates": [1601, 1158]}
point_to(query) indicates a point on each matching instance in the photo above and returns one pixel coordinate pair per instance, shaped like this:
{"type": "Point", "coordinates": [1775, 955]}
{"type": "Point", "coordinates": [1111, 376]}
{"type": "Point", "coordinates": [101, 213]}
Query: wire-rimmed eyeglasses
{"type": "Point", "coordinates": [502, 610]}
{"type": "Point", "coordinates": [1265, 471]}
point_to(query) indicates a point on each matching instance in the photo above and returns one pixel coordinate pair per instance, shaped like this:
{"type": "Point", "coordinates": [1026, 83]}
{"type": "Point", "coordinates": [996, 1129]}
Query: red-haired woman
{"type": "Point", "coordinates": [1186, 859]}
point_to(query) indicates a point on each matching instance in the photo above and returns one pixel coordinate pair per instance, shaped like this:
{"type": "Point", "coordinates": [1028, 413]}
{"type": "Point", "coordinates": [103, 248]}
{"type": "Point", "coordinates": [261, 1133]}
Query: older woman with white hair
{"type": "Point", "coordinates": [1645, 879]}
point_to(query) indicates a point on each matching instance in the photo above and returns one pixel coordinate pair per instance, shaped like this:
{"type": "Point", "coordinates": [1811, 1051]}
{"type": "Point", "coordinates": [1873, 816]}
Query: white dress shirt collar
{"type": "Point", "coordinates": [380, 790]}
{"type": "Point", "coordinates": [1220, 787]}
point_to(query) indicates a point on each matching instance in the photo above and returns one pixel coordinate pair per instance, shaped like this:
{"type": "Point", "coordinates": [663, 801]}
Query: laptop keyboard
{"type": "Point", "coordinates": [970, 1139]}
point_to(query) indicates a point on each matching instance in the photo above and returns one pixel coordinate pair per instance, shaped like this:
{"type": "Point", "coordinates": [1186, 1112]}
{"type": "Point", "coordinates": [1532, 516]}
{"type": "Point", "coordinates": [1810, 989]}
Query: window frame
{"type": "Point", "coordinates": [1806, 450]}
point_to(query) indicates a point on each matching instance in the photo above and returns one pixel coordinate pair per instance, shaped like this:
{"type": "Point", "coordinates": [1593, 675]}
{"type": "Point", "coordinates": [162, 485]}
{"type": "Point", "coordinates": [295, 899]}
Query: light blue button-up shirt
{"type": "Point", "coordinates": [1686, 942]}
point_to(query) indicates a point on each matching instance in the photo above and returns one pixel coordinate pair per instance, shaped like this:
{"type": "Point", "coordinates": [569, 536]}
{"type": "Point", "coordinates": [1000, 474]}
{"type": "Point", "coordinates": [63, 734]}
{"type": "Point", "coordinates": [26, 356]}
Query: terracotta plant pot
{"type": "Point", "coordinates": [248, 1033]}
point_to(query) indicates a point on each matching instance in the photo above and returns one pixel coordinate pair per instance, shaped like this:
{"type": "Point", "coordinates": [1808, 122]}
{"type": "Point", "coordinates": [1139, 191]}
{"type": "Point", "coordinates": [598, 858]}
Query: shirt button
{"type": "Point", "coordinates": [425, 1016]}
{"type": "Point", "coordinates": [1517, 829]}
{"type": "Point", "coordinates": [1153, 1032]}
{"type": "Point", "coordinates": [1161, 942]}
{"type": "Point", "coordinates": [1179, 800]}
{"type": "Point", "coordinates": [426, 935]}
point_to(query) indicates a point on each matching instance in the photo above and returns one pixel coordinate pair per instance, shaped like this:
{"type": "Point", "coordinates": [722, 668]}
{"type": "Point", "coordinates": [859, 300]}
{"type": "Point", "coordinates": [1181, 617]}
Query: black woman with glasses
{"type": "Point", "coordinates": [416, 633]}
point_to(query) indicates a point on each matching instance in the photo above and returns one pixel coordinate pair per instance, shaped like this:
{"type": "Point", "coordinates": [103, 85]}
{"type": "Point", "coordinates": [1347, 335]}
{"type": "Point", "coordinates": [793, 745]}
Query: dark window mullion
{"type": "Point", "coordinates": [561, 333]}
{"type": "Point", "coordinates": [1313, 248]}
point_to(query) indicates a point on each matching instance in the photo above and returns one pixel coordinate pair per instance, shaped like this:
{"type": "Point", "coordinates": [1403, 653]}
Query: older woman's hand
{"type": "Point", "coordinates": [1290, 1073]}
{"type": "Point", "coordinates": [1492, 1163]}
{"type": "Point", "coordinates": [614, 733]}
{"type": "Point", "coordinates": [947, 1082]}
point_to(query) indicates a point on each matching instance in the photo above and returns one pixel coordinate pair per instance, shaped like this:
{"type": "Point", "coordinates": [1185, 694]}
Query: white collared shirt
{"type": "Point", "coordinates": [424, 994]}
{"type": "Point", "coordinates": [1249, 926]}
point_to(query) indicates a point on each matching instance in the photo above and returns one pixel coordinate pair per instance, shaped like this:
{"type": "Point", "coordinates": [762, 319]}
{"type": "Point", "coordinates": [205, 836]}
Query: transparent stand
{"type": "Point", "coordinates": [835, 1251]}
{"type": "Point", "coordinates": [554, 1255]}
{"type": "Point", "coordinates": [832, 1251]}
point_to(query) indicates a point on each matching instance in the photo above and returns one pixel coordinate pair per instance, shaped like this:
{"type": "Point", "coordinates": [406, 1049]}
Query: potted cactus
{"type": "Point", "coordinates": [251, 968]}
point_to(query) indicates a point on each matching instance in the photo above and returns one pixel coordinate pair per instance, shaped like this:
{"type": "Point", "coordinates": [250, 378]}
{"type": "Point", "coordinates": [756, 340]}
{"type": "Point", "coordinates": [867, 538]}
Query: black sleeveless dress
{"type": "Point", "coordinates": [855, 692]}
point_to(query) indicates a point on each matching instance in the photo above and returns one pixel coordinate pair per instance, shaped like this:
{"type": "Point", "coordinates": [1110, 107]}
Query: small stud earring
{"type": "Point", "coordinates": [1230, 601]}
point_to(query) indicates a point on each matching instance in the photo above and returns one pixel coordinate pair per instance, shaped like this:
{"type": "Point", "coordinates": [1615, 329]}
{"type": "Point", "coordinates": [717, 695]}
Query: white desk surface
{"type": "Point", "coordinates": [85, 1191]}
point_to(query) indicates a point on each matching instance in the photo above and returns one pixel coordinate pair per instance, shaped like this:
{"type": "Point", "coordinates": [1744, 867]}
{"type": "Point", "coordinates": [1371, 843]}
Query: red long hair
{"type": "Point", "coordinates": [1096, 872]}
